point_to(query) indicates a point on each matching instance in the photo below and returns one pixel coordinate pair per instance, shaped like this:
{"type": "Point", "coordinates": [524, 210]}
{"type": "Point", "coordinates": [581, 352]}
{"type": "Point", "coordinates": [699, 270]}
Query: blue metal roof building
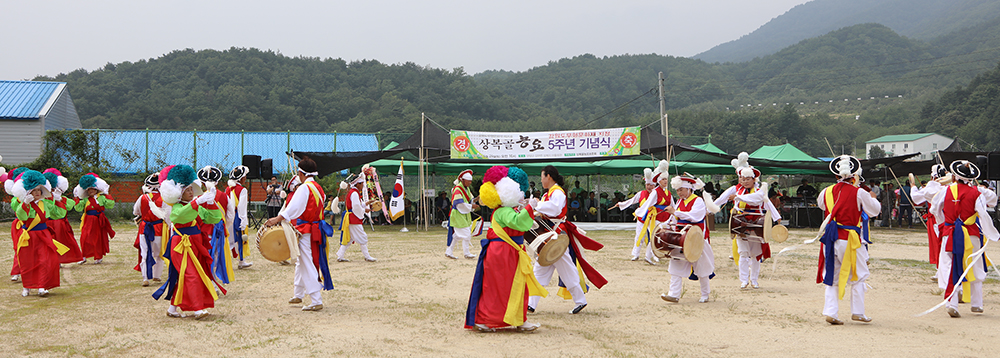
{"type": "Point", "coordinates": [27, 110]}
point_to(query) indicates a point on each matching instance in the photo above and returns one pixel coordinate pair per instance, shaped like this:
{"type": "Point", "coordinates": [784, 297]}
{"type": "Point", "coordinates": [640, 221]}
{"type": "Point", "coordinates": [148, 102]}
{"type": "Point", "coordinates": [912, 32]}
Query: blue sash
{"type": "Point", "coordinates": [958, 249]}
{"type": "Point", "coordinates": [38, 227]}
{"type": "Point", "coordinates": [324, 267]}
{"type": "Point", "coordinates": [238, 235]}
{"type": "Point", "coordinates": [149, 232]}
{"type": "Point", "coordinates": [690, 222]}
{"type": "Point", "coordinates": [829, 238]}
{"type": "Point", "coordinates": [218, 253]}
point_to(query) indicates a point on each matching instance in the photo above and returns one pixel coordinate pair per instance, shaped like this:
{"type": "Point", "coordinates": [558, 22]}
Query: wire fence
{"type": "Point", "coordinates": [143, 151]}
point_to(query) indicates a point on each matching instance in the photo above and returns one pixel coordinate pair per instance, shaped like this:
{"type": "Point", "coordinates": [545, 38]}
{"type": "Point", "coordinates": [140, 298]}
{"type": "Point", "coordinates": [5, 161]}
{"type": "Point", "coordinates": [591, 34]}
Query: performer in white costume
{"type": "Point", "coordinates": [690, 210]}
{"type": "Point", "coordinates": [749, 198]}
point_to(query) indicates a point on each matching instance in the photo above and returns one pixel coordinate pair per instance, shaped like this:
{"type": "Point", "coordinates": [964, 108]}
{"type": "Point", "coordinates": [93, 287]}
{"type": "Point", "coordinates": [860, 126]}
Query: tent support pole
{"type": "Point", "coordinates": [423, 205]}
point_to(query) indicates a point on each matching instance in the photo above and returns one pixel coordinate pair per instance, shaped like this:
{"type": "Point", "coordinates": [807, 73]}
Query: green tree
{"type": "Point", "coordinates": [875, 152]}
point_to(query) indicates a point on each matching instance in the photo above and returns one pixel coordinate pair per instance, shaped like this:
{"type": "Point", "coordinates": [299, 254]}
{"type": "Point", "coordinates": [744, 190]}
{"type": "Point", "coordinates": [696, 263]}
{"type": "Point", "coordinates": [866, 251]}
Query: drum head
{"type": "Point", "coordinates": [779, 233]}
{"type": "Point", "coordinates": [732, 235]}
{"type": "Point", "coordinates": [537, 242]}
{"type": "Point", "coordinates": [694, 243]}
{"type": "Point", "coordinates": [768, 224]}
{"type": "Point", "coordinates": [273, 245]}
{"type": "Point", "coordinates": [552, 249]}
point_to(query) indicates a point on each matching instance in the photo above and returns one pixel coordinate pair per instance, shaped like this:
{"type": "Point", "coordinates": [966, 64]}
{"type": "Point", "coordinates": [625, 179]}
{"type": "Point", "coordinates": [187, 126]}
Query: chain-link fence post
{"type": "Point", "coordinates": [97, 138]}
{"type": "Point", "coordinates": [146, 157]}
{"type": "Point", "coordinates": [194, 143]}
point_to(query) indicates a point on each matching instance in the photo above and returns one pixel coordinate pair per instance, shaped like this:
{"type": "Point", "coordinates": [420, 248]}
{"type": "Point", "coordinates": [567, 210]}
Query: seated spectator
{"type": "Point", "coordinates": [574, 207]}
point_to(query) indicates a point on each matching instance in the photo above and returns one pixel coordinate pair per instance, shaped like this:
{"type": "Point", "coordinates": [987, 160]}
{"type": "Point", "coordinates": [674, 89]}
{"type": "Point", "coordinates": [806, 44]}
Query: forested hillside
{"type": "Point", "coordinates": [260, 90]}
{"type": "Point", "coordinates": [971, 113]}
{"type": "Point", "coordinates": [917, 19]}
{"type": "Point", "coordinates": [848, 86]}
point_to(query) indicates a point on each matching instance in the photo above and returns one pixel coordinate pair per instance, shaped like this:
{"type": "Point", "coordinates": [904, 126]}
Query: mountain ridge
{"type": "Point", "coordinates": [918, 19]}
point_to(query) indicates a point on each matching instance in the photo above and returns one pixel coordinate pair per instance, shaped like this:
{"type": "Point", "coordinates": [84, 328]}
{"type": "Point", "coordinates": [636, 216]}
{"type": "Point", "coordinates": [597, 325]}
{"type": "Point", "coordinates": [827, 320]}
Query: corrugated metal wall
{"type": "Point", "coordinates": [63, 114]}
{"type": "Point", "coordinates": [20, 141]}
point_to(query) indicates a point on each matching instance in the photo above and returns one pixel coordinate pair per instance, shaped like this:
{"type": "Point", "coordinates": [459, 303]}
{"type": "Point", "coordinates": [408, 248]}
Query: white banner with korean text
{"type": "Point", "coordinates": [590, 143]}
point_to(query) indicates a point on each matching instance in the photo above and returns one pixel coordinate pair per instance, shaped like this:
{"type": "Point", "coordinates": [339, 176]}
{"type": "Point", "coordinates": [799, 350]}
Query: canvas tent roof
{"type": "Point", "coordinates": [709, 147]}
{"type": "Point", "coordinates": [782, 153]}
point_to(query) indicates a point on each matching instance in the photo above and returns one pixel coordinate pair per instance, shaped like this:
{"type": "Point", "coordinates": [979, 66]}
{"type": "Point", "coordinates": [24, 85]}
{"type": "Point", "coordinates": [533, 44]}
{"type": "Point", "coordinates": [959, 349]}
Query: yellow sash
{"type": "Point", "coordinates": [967, 255]}
{"type": "Point", "coordinates": [524, 277]}
{"type": "Point", "coordinates": [848, 269]}
{"type": "Point", "coordinates": [564, 293]}
{"type": "Point", "coordinates": [648, 224]}
{"type": "Point", "coordinates": [22, 241]}
{"type": "Point", "coordinates": [184, 248]}
{"type": "Point", "coordinates": [226, 249]}
{"type": "Point", "coordinates": [318, 199]}
{"type": "Point", "coordinates": [83, 218]}
{"type": "Point", "coordinates": [345, 222]}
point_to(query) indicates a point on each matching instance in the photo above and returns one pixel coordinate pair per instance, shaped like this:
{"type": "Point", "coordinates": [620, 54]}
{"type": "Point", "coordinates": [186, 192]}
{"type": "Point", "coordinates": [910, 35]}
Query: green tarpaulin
{"type": "Point", "coordinates": [603, 167]}
{"type": "Point", "coordinates": [782, 153]}
{"type": "Point", "coordinates": [709, 147]}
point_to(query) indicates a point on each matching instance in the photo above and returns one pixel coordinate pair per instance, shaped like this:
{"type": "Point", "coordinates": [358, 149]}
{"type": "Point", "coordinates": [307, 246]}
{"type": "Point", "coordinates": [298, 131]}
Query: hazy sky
{"type": "Point", "coordinates": [52, 37]}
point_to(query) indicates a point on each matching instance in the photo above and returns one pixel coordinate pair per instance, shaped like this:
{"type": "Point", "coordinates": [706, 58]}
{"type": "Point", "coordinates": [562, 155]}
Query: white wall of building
{"type": "Point", "coordinates": [926, 146]}
{"type": "Point", "coordinates": [20, 141]}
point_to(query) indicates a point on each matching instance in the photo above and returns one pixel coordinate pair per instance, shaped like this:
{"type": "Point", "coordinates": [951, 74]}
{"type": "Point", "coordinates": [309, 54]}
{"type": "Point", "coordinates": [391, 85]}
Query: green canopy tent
{"type": "Point", "coordinates": [601, 167]}
{"type": "Point", "coordinates": [709, 147]}
{"type": "Point", "coordinates": [782, 153]}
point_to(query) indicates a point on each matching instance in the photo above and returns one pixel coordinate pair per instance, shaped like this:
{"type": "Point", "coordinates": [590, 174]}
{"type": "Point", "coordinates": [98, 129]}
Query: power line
{"type": "Point", "coordinates": [617, 108]}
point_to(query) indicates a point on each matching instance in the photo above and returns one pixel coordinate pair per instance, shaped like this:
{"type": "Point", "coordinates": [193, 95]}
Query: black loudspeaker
{"type": "Point", "coordinates": [252, 162]}
{"type": "Point", "coordinates": [266, 171]}
{"type": "Point", "coordinates": [993, 170]}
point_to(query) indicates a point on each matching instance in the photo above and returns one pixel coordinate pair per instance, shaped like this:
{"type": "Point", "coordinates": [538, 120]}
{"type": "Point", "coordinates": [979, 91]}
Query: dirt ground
{"type": "Point", "coordinates": [412, 303]}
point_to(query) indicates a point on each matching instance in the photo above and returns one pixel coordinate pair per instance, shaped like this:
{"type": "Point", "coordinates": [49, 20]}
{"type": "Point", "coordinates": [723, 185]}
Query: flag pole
{"type": "Point", "coordinates": [403, 195]}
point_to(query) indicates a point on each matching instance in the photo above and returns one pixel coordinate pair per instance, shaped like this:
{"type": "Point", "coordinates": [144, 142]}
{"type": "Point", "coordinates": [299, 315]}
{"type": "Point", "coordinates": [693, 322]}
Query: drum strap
{"type": "Point", "coordinates": [524, 278]}
{"type": "Point", "coordinates": [696, 223]}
